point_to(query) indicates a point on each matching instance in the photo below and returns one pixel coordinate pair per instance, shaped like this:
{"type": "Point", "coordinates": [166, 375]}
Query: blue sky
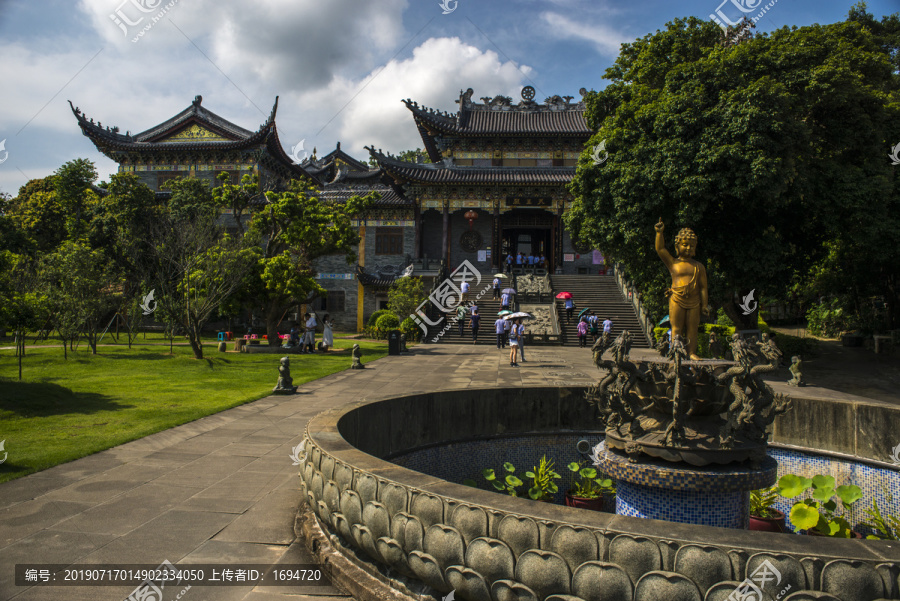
{"type": "Point", "coordinates": [341, 67]}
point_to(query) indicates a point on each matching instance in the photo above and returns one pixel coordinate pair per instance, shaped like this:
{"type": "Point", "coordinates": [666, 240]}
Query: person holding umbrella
{"type": "Point", "coordinates": [504, 301]}
{"type": "Point", "coordinates": [500, 329]}
{"type": "Point", "coordinates": [513, 343]}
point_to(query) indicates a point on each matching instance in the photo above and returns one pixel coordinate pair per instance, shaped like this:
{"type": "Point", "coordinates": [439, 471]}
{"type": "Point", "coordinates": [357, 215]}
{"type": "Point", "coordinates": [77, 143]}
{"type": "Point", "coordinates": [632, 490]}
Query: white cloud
{"type": "Point", "coordinates": [438, 69]}
{"type": "Point", "coordinates": [606, 39]}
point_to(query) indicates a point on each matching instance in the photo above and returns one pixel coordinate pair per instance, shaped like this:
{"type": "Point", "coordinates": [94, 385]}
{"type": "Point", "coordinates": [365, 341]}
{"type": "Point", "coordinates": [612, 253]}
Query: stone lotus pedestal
{"type": "Point", "coordinates": [686, 440]}
{"type": "Point", "coordinates": [660, 490]}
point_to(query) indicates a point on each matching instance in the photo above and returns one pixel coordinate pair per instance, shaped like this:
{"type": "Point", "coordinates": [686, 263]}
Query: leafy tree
{"type": "Point", "coordinates": [192, 265]}
{"type": "Point", "coordinates": [121, 223]}
{"type": "Point", "coordinates": [38, 217]}
{"type": "Point", "coordinates": [405, 295]}
{"type": "Point", "coordinates": [82, 287]}
{"type": "Point", "coordinates": [73, 181]}
{"type": "Point", "coordinates": [296, 229]}
{"type": "Point", "coordinates": [237, 198]}
{"type": "Point", "coordinates": [21, 304]}
{"type": "Point", "coordinates": [767, 149]}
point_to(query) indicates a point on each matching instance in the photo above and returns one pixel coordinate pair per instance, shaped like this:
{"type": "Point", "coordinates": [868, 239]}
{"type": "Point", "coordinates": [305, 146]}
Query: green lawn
{"type": "Point", "coordinates": [63, 410]}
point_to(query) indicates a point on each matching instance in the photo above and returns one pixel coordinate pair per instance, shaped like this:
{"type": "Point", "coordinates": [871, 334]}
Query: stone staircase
{"type": "Point", "coordinates": [602, 295]}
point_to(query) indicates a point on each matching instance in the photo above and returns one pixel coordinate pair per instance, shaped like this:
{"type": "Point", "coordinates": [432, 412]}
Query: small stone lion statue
{"type": "Point", "coordinates": [356, 353]}
{"type": "Point", "coordinates": [795, 368]}
{"type": "Point", "coordinates": [285, 381]}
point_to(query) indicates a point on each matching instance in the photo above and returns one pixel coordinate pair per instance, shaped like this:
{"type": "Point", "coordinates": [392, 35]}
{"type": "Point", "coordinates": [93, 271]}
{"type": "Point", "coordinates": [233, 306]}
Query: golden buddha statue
{"type": "Point", "coordinates": [688, 296]}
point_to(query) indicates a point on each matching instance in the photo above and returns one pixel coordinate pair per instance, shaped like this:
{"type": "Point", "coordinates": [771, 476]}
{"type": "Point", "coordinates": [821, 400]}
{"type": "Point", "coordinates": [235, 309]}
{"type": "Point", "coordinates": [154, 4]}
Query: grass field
{"type": "Point", "coordinates": [63, 410]}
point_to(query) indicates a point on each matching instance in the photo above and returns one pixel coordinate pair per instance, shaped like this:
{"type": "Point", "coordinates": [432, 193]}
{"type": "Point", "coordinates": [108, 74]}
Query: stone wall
{"type": "Point", "coordinates": [491, 547]}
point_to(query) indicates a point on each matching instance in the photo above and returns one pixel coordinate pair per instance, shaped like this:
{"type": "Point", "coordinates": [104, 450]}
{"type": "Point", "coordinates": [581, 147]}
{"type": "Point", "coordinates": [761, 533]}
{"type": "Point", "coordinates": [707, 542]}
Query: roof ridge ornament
{"type": "Point", "coordinates": [197, 100]}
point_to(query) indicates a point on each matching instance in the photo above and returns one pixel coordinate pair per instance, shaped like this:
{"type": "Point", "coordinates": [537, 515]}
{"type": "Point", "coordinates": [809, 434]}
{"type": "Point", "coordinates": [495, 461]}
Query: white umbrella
{"type": "Point", "coordinates": [520, 314]}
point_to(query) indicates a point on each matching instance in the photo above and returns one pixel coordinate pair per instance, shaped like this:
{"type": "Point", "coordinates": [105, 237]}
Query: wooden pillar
{"type": "Point", "coordinates": [445, 237]}
{"type": "Point", "coordinates": [417, 220]}
{"type": "Point", "coordinates": [497, 242]}
{"type": "Point", "coordinates": [360, 290]}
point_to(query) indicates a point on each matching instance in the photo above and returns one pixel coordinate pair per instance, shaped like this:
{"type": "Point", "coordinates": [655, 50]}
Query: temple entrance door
{"type": "Point", "coordinates": [528, 233]}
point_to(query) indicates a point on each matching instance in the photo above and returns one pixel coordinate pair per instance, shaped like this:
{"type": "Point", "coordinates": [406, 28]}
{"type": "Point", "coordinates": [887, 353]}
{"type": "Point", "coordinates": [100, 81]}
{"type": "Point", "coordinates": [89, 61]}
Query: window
{"type": "Point", "coordinates": [389, 241]}
{"type": "Point", "coordinates": [167, 176]}
{"type": "Point", "coordinates": [334, 302]}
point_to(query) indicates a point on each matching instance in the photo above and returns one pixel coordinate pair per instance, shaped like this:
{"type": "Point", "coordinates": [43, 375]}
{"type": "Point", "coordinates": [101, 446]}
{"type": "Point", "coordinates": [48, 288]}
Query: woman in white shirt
{"type": "Point", "coordinates": [328, 332]}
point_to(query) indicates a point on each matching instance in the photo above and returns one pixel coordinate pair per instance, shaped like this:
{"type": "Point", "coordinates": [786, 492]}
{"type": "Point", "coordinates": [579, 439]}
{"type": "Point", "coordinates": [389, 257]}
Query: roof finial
{"type": "Point", "coordinates": [339, 145]}
{"type": "Point", "coordinates": [197, 100]}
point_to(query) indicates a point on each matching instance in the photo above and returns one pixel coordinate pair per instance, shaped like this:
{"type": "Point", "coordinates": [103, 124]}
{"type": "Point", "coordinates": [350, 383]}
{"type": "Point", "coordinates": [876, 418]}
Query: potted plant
{"type": "Point", "coordinates": [587, 490]}
{"type": "Point", "coordinates": [542, 477]}
{"type": "Point", "coordinates": [509, 483]}
{"type": "Point", "coordinates": [763, 516]}
{"type": "Point", "coordinates": [817, 514]}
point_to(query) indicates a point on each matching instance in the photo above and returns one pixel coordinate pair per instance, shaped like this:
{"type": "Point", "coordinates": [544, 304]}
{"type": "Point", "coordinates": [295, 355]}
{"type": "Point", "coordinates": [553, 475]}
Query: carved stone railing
{"type": "Point", "coordinates": [384, 531]}
{"type": "Point", "coordinates": [632, 295]}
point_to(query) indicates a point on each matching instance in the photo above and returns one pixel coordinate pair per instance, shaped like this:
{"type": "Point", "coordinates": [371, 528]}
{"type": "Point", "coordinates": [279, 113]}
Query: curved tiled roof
{"type": "Point", "coordinates": [112, 143]}
{"type": "Point", "coordinates": [480, 120]}
{"type": "Point", "coordinates": [440, 173]}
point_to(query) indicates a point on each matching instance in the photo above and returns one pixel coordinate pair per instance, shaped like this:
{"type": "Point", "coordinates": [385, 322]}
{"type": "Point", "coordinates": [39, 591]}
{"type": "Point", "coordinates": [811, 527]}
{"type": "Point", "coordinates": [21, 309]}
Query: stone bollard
{"type": "Point", "coordinates": [357, 358]}
{"type": "Point", "coordinates": [285, 381]}
{"type": "Point", "coordinates": [222, 347]}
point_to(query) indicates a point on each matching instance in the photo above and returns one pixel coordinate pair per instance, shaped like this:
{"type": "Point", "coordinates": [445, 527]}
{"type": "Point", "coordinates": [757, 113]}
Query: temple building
{"type": "Point", "coordinates": [496, 184]}
{"type": "Point", "coordinates": [196, 143]}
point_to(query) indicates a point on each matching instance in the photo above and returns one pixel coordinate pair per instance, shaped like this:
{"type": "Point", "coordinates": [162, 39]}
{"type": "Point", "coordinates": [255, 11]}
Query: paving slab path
{"type": "Point", "coordinates": [223, 488]}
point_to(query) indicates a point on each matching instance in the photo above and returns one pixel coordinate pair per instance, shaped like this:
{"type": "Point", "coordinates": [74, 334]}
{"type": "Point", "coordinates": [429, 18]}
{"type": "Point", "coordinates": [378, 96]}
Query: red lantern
{"type": "Point", "coordinates": [471, 216]}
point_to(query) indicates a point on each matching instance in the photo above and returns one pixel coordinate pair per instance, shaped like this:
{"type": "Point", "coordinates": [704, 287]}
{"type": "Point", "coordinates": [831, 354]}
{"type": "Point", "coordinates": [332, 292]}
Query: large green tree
{"type": "Point", "coordinates": [295, 229]}
{"type": "Point", "coordinates": [768, 149]}
{"type": "Point", "coordinates": [37, 216]}
{"type": "Point", "coordinates": [73, 189]}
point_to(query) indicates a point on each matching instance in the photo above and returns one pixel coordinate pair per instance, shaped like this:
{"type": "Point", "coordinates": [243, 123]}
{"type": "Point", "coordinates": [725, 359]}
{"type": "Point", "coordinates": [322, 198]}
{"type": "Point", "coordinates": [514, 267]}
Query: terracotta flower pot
{"type": "Point", "coordinates": [773, 524]}
{"type": "Point", "coordinates": [582, 503]}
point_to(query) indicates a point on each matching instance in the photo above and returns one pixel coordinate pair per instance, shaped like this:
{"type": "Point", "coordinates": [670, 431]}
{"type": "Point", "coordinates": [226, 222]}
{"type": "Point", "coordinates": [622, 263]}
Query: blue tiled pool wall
{"type": "Point", "coordinates": [722, 509]}
{"type": "Point", "coordinates": [456, 462]}
{"type": "Point", "coordinates": [881, 484]}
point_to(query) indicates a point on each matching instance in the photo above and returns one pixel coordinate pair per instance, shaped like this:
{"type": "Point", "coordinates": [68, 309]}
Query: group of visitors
{"type": "Point", "coordinates": [505, 298]}
{"type": "Point", "coordinates": [308, 342]}
{"type": "Point", "coordinates": [522, 260]}
{"type": "Point", "coordinates": [590, 325]}
{"type": "Point", "coordinates": [511, 332]}
{"type": "Point", "coordinates": [471, 310]}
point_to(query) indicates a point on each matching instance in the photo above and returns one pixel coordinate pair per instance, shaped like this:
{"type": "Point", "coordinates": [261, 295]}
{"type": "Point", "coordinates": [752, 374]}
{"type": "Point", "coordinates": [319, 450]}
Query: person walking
{"type": "Point", "coordinates": [570, 306]}
{"type": "Point", "coordinates": [520, 336]}
{"type": "Point", "coordinates": [461, 319]}
{"type": "Point", "coordinates": [500, 329]}
{"type": "Point", "coordinates": [309, 339]}
{"type": "Point", "coordinates": [594, 326]}
{"type": "Point", "coordinates": [582, 332]}
{"type": "Point", "coordinates": [607, 326]}
{"type": "Point", "coordinates": [327, 332]}
{"type": "Point", "coordinates": [504, 301]}
{"type": "Point", "coordinates": [474, 323]}
{"type": "Point", "coordinates": [509, 263]}
{"type": "Point", "coordinates": [465, 291]}
{"type": "Point", "coordinates": [513, 345]}
{"type": "Point", "coordinates": [496, 285]}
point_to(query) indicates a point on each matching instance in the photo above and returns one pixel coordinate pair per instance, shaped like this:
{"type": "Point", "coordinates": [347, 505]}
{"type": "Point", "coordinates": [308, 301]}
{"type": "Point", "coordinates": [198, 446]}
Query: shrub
{"type": "Point", "coordinates": [387, 323]}
{"type": "Point", "coordinates": [794, 345]}
{"type": "Point", "coordinates": [373, 319]}
{"type": "Point", "coordinates": [409, 327]}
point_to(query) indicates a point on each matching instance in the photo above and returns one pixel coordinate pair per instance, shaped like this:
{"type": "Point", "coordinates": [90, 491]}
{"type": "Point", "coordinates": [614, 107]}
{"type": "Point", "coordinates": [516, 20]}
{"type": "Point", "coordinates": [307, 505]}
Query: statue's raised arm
{"type": "Point", "coordinates": [661, 244]}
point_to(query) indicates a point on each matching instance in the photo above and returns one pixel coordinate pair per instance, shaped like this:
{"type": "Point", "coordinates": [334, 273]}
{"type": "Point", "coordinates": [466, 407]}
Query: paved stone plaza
{"type": "Point", "coordinates": [223, 488]}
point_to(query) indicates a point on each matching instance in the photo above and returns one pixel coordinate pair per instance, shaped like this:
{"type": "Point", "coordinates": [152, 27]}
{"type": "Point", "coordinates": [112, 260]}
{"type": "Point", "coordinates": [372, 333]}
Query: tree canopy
{"type": "Point", "coordinates": [770, 149]}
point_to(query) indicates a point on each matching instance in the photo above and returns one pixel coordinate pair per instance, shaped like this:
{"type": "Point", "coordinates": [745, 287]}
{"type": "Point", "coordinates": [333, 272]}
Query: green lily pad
{"type": "Point", "coordinates": [803, 516]}
{"type": "Point", "coordinates": [849, 494]}
{"type": "Point", "coordinates": [790, 486]}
